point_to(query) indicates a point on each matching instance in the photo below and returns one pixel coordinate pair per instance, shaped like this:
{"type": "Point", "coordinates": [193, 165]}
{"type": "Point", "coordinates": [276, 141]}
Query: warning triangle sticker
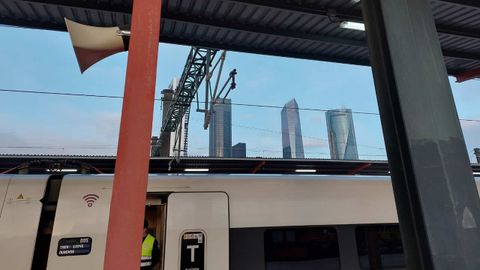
{"type": "Point", "coordinates": [20, 197]}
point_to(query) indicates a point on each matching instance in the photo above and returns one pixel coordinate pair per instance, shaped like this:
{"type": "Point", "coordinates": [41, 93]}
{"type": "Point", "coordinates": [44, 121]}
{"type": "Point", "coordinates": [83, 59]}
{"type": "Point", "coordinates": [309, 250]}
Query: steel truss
{"type": "Point", "coordinates": [192, 77]}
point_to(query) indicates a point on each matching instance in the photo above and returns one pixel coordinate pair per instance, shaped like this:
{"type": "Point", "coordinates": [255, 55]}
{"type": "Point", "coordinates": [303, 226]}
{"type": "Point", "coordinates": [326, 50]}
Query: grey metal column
{"type": "Point", "coordinates": [435, 194]}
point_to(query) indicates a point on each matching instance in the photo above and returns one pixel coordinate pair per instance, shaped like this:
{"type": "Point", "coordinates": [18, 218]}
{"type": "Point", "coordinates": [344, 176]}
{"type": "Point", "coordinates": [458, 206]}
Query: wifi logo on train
{"type": "Point", "coordinates": [90, 199]}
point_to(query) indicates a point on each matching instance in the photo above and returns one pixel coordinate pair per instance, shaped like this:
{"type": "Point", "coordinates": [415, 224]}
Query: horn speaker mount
{"type": "Point", "coordinates": [92, 44]}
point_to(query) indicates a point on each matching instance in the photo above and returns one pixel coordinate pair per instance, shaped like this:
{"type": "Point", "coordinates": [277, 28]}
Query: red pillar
{"type": "Point", "coordinates": [127, 208]}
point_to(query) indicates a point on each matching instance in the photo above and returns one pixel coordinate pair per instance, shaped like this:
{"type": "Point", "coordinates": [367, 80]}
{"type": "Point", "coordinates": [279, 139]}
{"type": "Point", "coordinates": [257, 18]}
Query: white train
{"type": "Point", "coordinates": [238, 222]}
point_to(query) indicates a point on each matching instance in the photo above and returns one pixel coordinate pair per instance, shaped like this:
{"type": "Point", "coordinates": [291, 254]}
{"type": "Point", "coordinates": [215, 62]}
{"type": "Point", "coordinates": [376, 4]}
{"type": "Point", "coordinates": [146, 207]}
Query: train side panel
{"type": "Point", "coordinates": [291, 200]}
{"type": "Point", "coordinates": [20, 219]}
{"type": "Point", "coordinates": [254, 201]}
{"type": "Point", "coordinates": [80, 229]}
{"type": "Point", "coordinates": [311, 202]}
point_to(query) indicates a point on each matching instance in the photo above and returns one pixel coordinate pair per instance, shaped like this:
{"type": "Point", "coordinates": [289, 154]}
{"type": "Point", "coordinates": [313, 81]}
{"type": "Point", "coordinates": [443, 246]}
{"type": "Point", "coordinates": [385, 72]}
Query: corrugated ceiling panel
{"type": "Point", "coordinates": [330, 3]}
{"type": "Point", "coordinates": [253, 17]}
{"type": "Point", "coordinates": [357, 53]}
{"type": "Point", "coordinates": [18, 9]}
{"type": "Point", "coordinates": [340, 51]}
{"type": "Point", "coordinates": [191, 6]}
{"type": "Point", "coordinates": [459, 43]}
{"type": "Point", "coordinates": [456, 15]}
{"type": "Point", "coordinates": [324, 49]}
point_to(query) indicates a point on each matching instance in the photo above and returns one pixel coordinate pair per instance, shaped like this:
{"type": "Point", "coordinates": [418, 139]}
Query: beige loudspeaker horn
{"type": "Point", "coordinates": [92, 44]}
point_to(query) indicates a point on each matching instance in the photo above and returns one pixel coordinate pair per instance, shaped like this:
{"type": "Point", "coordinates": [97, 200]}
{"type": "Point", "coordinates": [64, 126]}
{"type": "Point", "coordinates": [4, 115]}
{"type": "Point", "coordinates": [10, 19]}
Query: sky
{"type": "Point", "coordinates": [39, 60]}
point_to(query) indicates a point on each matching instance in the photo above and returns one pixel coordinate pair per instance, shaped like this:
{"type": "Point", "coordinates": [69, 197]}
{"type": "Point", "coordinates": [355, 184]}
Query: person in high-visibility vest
{"type": "Point", "coordinates": [150, 250]}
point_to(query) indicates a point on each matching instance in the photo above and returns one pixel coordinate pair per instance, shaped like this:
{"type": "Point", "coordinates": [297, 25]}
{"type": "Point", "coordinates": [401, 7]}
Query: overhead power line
{"type": "Point", "coordinates": [58, 147]}
{"type": "Point", "coordinates": [59, 93]}
{"type": "Point", "coordinates": [159, 99]}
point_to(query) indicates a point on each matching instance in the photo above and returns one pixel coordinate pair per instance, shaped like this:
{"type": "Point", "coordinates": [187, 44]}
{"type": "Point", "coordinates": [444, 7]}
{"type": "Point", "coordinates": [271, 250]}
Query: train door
{"type": "Point", "coordinates": [197, 231]}
{"type": "Point", "coordinates": [19, 219]}
{"type": "Point", "coordinates": [79, 232]}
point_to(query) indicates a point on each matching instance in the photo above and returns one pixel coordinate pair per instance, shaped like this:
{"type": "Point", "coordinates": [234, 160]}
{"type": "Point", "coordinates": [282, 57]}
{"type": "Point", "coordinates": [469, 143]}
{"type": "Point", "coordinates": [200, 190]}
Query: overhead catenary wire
{"type": "Point", "coordinates": [71, 94]}
{"type": "Point", "coordinates": [60, 93]}
{"type": "Point", "coordinates": [58, 147]}
{"type": "Point", "coordinates": [111, 146]}
{"type": "Point", "coordinates": [159, 99]}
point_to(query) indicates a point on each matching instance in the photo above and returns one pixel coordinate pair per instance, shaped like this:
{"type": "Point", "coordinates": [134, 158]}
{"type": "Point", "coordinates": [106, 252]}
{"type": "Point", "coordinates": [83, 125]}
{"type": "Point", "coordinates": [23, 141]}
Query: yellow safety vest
{"type": "Point", "coordinates": [147, 250]}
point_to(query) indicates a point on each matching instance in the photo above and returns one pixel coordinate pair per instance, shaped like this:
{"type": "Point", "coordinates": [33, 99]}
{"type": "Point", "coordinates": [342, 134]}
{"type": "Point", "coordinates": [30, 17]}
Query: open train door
{"type": "Point", "coordinates": [197, 231]}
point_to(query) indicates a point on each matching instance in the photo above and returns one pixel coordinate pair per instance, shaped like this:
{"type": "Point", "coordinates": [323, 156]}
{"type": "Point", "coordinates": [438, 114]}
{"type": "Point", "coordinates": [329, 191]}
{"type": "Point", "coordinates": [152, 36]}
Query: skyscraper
{"type": "Point", "coordinates": [179, 134]}
{"type": "Point", "coordinates": [239, 150]}
{"type": "Point", "coordinates": [164, 145]}
{"type": "Point", "coordinates": [341, 134]}
{"type": "Point", "coordinates": [292, 142]}
{"type": "Point", "coordinates": [220, 130]}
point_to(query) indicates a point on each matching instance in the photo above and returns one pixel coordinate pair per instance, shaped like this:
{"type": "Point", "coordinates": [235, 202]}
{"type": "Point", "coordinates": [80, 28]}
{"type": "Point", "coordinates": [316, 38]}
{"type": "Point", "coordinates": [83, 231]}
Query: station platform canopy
{"type": "Point", "coordinates": [304, 29]}
{"type": "Point", "coordinates": [43, 164]}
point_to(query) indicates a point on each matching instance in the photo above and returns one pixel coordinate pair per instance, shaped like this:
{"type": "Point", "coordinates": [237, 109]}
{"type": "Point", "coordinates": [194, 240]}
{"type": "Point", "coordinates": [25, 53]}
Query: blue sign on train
{"type": "Point", "coordinates": [74, 246]}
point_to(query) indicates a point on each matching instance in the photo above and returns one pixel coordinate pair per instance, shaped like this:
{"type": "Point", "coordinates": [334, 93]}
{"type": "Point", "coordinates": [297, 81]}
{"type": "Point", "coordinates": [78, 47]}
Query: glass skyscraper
{"type": "Point", "coordinates": [341, 134]}
{"type": "Point", "coordinates": [292, 142]}
{"type": "Point", "coordinates": [220, 130]}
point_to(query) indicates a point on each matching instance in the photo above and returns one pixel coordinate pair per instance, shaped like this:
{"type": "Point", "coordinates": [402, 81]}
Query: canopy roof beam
{"type": "Point", "coordinates": [340, 15]}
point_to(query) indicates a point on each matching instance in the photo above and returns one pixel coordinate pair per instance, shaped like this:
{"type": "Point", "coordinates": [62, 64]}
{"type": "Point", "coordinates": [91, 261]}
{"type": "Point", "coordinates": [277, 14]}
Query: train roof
{"type": "Point", "coordinates": [41, 164]}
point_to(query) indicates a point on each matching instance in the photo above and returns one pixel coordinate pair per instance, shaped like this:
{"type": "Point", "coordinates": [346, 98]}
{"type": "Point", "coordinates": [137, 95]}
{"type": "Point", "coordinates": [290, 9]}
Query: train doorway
{"type": "Point", "coordinates": [155, 214]}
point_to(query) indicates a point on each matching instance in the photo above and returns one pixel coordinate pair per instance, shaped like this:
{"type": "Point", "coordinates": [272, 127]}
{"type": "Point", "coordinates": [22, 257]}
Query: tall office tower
{"type": "Point", "coordinates": [239, 150]}
{"type": "Point", "coordinates": [220, 141]}
{"type": "Point", "coordinates": [341, 134]}
{"type": "Point", "coordinates": [165, 145]}
{"type": "Point", "coordinates": [292, 142]}
{"type": "Point", "coordinates": [179, 134]}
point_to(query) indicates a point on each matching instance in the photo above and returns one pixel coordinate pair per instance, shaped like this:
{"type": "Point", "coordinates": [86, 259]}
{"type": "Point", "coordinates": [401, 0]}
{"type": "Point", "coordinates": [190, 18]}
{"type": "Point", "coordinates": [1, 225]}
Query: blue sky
{"type": "Point", "coordinates": [44, 61]}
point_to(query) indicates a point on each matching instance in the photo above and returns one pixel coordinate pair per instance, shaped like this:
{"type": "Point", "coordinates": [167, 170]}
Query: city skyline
{"type": "Point", "coordinates": [292, 141]}
{"type": "Point", "coordinates": [89, 125]}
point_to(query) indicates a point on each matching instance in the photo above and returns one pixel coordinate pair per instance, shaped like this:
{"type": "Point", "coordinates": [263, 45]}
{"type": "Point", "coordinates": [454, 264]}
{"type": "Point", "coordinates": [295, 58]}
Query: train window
{"type": "Point", "coordinates": [246, 249]}
{"type": "Point", "coordinates": [380, 247]}
{"type": "Point", "coordinates": [301, 248]}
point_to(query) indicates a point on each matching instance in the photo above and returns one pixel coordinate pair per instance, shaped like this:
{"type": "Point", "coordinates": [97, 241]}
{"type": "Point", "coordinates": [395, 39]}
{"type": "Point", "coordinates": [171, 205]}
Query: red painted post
{"type": "Point", "coordinates": [127, 208]}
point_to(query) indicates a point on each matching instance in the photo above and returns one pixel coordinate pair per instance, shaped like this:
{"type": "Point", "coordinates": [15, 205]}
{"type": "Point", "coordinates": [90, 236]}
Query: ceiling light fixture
{"type": "Point", "coordinates": [61, 170]}
{"type": "Point", "coordinates": [352, 25]}
{"type": "Point", "coordinates": [196, 170]}
{"type": "Point", "coordinates": [305, 171]}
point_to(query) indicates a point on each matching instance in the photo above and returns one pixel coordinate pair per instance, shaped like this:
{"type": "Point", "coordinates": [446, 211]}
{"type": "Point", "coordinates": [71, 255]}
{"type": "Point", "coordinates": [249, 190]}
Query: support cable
{"type": "Point", "coordinates": [266, 106]}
